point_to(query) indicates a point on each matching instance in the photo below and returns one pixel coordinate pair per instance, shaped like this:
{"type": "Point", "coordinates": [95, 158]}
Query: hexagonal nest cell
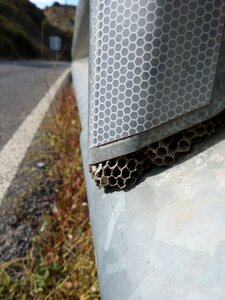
{"type": "Point", "coordinates": [123, 172]}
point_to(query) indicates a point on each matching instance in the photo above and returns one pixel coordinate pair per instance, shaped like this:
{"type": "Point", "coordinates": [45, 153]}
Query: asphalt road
{"type": "Point", "coordinates": [22, 85]}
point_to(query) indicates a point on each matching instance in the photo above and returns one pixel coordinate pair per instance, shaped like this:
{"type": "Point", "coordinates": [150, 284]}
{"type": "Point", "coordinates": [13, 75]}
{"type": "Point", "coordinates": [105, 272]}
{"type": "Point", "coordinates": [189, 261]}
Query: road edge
{"type": "Point", "coordinates": [15, 149]}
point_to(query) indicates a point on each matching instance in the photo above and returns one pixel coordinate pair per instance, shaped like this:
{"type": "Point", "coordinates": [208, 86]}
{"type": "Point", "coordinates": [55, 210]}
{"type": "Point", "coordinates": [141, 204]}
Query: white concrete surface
{"type": "Point", "coordinates": [14, 150]}
{"type": "Point", "coordinates": [165, 238]}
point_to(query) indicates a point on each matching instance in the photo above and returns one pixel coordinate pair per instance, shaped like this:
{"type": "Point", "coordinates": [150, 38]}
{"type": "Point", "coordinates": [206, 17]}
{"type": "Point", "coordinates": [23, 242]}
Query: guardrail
{"type": "Point", "coordinates": [164, 238]}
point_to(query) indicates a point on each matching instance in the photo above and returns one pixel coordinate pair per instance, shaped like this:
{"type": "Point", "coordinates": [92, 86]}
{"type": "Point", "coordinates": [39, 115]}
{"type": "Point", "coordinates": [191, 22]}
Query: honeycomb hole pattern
{"type": "Point", "coordinates": [123, 172]}
{"type": "Point", "coordinates": [151, 62]}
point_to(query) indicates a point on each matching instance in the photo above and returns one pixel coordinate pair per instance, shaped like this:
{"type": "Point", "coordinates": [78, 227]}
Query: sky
{"type": "Point", "coordinates": [44, 3]}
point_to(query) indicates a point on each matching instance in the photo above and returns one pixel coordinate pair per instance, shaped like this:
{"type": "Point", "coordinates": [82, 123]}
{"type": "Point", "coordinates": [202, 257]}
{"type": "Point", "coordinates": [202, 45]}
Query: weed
{"type": "Point", "coordinates": [60, 264]}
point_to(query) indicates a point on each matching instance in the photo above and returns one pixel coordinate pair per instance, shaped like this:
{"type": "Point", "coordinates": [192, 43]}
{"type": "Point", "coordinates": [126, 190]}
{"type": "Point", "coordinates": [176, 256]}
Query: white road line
{"type": "Point", "coordinates": [14, 150]}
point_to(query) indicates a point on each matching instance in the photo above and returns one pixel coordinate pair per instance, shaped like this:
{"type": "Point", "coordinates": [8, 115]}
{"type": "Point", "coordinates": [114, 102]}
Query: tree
{"type": "Point", "coordinates": [56, 4]}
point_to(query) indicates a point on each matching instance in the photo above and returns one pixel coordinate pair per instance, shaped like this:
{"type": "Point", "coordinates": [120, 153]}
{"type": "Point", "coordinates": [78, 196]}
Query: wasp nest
{"type": "Point", "coordinates": [124, 171]}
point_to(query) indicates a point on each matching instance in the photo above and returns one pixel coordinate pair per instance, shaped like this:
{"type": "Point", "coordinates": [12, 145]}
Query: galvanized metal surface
{"type": "Point", "coordinates": [165, 238]}
{"type": "Point", "coordinates": [80, 47]}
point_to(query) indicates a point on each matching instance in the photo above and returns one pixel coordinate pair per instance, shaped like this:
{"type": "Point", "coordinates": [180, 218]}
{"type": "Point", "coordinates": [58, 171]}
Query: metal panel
{"type": "Point", "coordinates": [163, 239]}
{"type": "Point", "coordinates": [80, 47]}
{"type": "Point", "coordinates": [151, 62]}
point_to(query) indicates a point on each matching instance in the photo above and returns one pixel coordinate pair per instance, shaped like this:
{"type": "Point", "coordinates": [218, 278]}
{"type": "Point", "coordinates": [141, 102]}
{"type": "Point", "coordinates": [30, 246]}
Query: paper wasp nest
{"type": "Point", "coordinates": [124, 171]}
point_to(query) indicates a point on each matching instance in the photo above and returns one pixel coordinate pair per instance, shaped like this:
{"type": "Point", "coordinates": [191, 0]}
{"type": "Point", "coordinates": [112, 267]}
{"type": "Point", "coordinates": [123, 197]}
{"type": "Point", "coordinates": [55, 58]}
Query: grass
{"type": "Point", "coordinates": [60, 264]}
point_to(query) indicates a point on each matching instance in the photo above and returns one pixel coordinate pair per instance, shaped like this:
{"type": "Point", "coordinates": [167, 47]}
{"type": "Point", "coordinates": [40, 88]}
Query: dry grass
{"type": "Point", "coordinates": [60, 264]}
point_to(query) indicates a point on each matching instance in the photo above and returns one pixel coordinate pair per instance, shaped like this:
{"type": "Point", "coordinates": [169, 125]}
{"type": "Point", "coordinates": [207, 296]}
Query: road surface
{"type": "Point", "coordinates": [22, 85]}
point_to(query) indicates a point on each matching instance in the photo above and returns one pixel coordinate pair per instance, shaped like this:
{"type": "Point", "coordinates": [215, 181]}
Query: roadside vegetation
{"type": "Point", "coordinates": [60, 263]}
{"type": "Point", "coordinates": [15, 42]}
{"type": "Point", "coordinates": [25, 31]}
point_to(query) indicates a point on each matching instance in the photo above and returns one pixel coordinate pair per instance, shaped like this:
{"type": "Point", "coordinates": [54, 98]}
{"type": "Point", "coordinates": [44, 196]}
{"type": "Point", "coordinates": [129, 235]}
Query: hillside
{"type": "Point", "coordinates": [25, 31]}
{"type": "Point", "coordinates": [61, 16]}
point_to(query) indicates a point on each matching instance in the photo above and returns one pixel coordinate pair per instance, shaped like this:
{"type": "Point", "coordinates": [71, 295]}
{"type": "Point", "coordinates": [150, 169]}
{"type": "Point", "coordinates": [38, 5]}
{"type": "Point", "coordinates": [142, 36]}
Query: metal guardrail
{"type": "Point", "coordinates": [164, 238]}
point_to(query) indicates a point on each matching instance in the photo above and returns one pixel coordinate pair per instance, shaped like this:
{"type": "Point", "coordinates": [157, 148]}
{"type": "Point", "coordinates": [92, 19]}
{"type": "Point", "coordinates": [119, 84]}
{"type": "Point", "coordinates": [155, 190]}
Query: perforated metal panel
{"type": "Point", "coordinates": [151, 62]}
